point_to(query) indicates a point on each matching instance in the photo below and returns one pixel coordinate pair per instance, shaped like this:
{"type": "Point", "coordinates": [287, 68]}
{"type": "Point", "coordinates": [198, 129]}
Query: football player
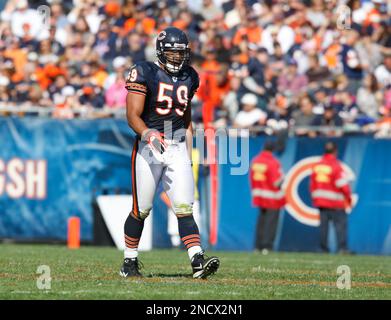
{"type": "Point", "coordinates": [158, 110]}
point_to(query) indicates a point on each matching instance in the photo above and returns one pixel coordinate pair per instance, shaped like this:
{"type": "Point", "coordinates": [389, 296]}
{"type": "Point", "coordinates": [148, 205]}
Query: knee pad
{"type": "Point", "coordinates": [185, 209]}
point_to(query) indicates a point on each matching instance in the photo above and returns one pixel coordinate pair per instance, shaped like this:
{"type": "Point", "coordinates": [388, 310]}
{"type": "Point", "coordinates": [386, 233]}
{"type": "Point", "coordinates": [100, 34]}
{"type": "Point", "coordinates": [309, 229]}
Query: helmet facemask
{"type": "Point", "coordinates": [174, 58]}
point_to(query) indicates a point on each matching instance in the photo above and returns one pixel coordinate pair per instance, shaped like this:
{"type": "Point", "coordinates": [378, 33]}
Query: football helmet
{"type": "Point", "coordinates": [172, 49]}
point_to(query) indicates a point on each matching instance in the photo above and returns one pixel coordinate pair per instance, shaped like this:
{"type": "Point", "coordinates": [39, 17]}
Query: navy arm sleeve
{"type": "Point", "coordinates": [136, 81]}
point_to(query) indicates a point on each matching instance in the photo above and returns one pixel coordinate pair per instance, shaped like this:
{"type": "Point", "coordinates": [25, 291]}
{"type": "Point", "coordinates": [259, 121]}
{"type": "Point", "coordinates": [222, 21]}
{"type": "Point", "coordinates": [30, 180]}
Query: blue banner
{"type": "Point", "coordinates": [53, 169]}
{"type": "Point", "coordinates": [369, 228]}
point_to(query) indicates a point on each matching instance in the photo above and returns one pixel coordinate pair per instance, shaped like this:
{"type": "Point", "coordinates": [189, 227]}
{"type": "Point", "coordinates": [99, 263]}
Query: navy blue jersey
{"type": "Point", "coordinates": [167, 96]}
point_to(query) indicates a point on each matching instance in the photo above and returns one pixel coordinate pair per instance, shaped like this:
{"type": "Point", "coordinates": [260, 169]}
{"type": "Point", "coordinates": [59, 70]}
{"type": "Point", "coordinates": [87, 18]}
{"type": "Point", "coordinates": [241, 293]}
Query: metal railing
{"type": "Point", "coordinates": [80, 112]}
{"type": "Point", "coordinates": [291, 130]}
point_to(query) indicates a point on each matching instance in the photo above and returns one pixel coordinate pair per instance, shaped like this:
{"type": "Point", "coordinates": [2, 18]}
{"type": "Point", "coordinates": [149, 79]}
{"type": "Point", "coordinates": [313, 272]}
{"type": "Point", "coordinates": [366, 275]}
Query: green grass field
{"type": "Point", "coordinates": [92, 273]}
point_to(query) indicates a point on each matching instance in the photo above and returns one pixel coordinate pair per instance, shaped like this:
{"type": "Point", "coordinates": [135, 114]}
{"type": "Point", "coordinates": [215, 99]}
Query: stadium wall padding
{"type": "Point", "coordinates": [369, 224]}
{"type": "Point", "coordinates": [84, 158]}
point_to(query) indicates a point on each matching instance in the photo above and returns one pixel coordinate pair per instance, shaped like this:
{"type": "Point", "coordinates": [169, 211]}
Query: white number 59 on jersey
{"type": "Point", "coordinates": [164, 94]}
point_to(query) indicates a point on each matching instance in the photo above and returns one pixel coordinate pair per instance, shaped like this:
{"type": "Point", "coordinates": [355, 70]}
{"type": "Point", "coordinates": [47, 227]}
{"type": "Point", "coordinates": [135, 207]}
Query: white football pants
{"type": "Point", "coordinates": [173, 168]}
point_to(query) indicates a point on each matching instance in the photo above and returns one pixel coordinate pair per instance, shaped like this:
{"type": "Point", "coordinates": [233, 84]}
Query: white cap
{"type": "Point", "coordinates": [32, 56]}
{"type": "Point", "coordinates": [22, 4]}
{"type": "Point", "coordinates": [119, 62]}
{"type": "Point", "coordinates": [250, 99]}
{"type": "Point", "coordinates": [68, 91]}
{"type": "Point", "coordinates": [4, 81]}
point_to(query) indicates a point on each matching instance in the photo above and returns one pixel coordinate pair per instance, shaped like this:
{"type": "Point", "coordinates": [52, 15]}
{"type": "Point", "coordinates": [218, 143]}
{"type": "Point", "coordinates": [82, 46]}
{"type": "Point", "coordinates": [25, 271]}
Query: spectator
{"type": "Point", "coordinates": [321, 97]}
{"type": "Point", "coordinates": [275, 51]}
{"type": "Point", "coordinates": [65, 103]}
{"type": "Point", "coordinates": [4, 91]}
{"type": "Point", "coordinates": [370, 52]}
{"type": "Point", "coordinates": [341, 82]}
{"type": "Point", "coordinates": [330, 118]}
{"type": "Point", "coordinates": [249, 31]}
{"type": "Point", "coordinates": [234, 16]}
{"type": "Point", "coordinates": [80, 25]}
{"type": "Point", "coordinates": [237, 67]}
{"type": "Point", "coordinates": [116, 93]}
{"type": "Point", "coordinates": [344, 104]}
{"type": "Point", "coordinates": [133, 47]}
{"type": "Point", "coordinates": [19, 15]}
{"type": "Point", "coordinates": [209, 11]}
{"type": "Point", "coordinates": [27, 40]}
{"type": "Point", "coordinates": [18, 56]}
{"type": "Point", "coordinates": [105, 43]}
{"type": "Point", "coordinates": [278, 32]}
{"type": "Point", "coordinates": [91, 97]}
{"type": "Point", "coordinates": [382, 35]}
{"type": "Point", "coordinates": [382, 127]}
{"type": "Point", "coordinates": [277, 59]}
{"type": "Point", "coordinates": [250, 114]}
{"type": "Point", "coordinates": [210, 63]}
{"type": "Point", "coordinates": [257, 64]}
{"type": "Point", "coordinates": [279, 114]}
{"type": "Point", "coordinates": [46, 56]}
{"type": "Point", "coordinates": [120, 65]}
{"type": "Point", "coordinates": [255, 81]}
{"type": "Point", "coordinates": [270, 84]}
{"type": "Point", "coordinates": [351, 62]}
{"type": "Point", "coordinates": [231, 100]}
{"type": "Point", "coordinates": [214, 86]}
{"type": "Point", "coordinates": [222, 54]}
{"type": "Point", "coordinates": [59, 22]}
{"type": "Point", "coordinates": [316, 14]}
{"type": "Point", "coordinates": [99, 74]}
{"type": "Point", "coordinates": [304, 116]}
{"type": "Point", "coordinates": [60, 83]}
{"type": "Point", "coordinates": [57, 46]}
{"type": "Point", "coordinates": [290, 82]}
{"type": "Point", "coordinates": [369, 97]}
{"type": "Point", "coordinates": [77, 51]}
{"type": "Point", "coordinates": [316, 73]}
{"type": "Point", "coordinates": [383, 72]}
{"type": "Point", "coordinates": [36, 97]}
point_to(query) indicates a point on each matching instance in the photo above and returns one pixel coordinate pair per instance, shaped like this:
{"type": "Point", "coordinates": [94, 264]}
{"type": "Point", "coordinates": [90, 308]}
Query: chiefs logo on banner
{"type": "Point", "coordinates": [294, 203]}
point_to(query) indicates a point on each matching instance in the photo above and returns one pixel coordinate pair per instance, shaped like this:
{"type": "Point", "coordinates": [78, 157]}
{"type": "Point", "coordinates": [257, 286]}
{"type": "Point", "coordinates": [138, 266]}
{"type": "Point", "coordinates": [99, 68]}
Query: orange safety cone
{"type": "Point", "coordinates": [74, 233]}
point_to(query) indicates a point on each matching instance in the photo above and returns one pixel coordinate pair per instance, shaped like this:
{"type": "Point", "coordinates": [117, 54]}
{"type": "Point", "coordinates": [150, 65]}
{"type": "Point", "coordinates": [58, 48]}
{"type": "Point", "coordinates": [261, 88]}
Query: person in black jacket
{"type": "Point", "coordinates": [330, 119]}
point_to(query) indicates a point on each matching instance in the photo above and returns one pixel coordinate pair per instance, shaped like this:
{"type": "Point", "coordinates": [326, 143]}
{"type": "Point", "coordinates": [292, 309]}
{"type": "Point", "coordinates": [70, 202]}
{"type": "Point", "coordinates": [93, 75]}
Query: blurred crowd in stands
{"type": "Point", "coordinates": [268, 63]}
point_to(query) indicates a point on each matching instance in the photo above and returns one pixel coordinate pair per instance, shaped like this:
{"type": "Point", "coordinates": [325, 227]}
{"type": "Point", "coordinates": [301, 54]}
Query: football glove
{"type": "Point", "coordinates": [155, 139]}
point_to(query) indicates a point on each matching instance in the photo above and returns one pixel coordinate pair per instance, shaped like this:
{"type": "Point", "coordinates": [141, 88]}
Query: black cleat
{"type": "Point", "coordinates": [131, 268]}
{"type": "Point", "coordinates": [204, 266]}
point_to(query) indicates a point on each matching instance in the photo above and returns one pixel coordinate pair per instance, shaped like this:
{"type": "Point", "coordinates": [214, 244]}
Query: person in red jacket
{"type": "Point", "coordinates": [331, 194]}
{"type": "Point", "coordinates": [266, 178]}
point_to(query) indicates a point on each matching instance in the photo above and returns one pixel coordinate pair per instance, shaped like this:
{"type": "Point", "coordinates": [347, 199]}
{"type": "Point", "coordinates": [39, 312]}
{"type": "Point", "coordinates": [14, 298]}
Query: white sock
{"type": "Point", "coordinates": [192, 251]}
{"type": "Point", "coordinates": [130, 253]}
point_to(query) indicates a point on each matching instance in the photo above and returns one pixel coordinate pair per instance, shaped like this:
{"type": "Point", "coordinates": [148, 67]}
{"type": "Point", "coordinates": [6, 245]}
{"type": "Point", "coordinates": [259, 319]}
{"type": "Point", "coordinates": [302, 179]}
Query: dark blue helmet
{"type": "Point", "coordinates": [172, 49]}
